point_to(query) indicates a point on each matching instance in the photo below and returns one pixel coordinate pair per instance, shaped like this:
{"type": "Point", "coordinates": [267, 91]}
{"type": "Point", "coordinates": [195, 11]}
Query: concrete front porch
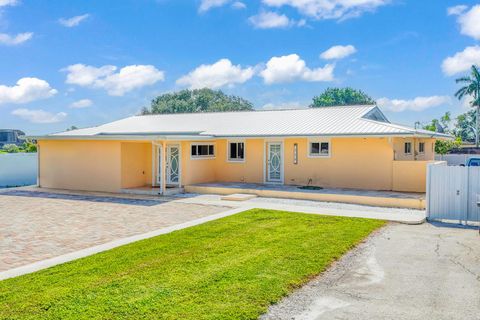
{"type": "Point", "coordinates": [364, 197]}
{"type": "Point", "coordinates": [153, 191]}
{"type": "Point", "coordinates": [150, 168]}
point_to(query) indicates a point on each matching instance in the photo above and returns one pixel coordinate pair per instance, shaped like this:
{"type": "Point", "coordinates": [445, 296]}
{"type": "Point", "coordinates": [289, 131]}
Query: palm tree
{"type": "Point", "coordinates": [471, 88]}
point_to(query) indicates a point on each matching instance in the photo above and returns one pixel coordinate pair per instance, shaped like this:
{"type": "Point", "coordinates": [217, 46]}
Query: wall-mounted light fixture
{"type": "Point", "coordinates": [295, 153]}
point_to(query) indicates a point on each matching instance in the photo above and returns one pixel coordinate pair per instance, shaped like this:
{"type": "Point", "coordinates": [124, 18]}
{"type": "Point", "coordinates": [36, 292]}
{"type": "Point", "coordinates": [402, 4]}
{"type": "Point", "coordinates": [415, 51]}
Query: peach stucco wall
{"type": "Point", "coordinates": [136, 164]}
{"type": "Point", "coordinates": [196, 170]}
{"type": "Point", "coordinates": [353, 163]}
{"type": "Point", "coordinates": [80, 165]}
{"type": "Point", "coordinates": [250, 170]}
{"type": "Point", "coordinates": [410, 176]}
{"type": "Point", "coordinates": [399, 149]}
{"type": "Point", "coordinates": [364, 163]}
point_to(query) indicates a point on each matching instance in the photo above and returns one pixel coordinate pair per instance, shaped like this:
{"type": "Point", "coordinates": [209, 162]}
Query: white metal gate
{"type": "Point", "coordinates": [453, 193]}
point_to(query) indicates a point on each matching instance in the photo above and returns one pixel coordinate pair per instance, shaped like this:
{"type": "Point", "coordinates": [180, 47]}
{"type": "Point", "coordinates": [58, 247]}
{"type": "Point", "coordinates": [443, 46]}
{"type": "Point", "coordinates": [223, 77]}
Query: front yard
{"type": "Point", "coordinates": [232, 268]}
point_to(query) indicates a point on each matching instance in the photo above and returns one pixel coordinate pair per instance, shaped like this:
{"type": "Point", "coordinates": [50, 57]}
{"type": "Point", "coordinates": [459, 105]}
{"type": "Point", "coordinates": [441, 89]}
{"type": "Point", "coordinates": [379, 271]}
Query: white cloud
{"type": "Point", "coordinates": [83, 103]}
{"type": "Point", "coordinates": [206, 5]}
{"type": "Point", "coordinates": [4, 3]}
{"type": "Point", "coordinates": [461, 61]}
{"type": "Point", "coordinates": [329, 9]}
{"type": "Point", "coordinates": [470, 22]}
{"type": "Point", "coordinates": [338, 52]}
{"type": "Point", "coordinates": [84, 75]}
{"type": "Point", "coordinates": [20, 38]}
{"type": "Point", "coordinates": [456, 10]}
{"type": "Point", "coordinates": [291, 67]}
{"type": "Point", "coordinates": [26, 90]}
{"type": "Point", "coordinates": [239, 5]}
{"type": "Point", "coordinates": [416, 104]}
{"type": "Point", "coordinates": [73, 21]}
{"type": "Point", "coordinates": [269, 20]}
{"type": "Point", "coordinates": [221, 73]}
{"type": "Point", "coordinates": [39, 116]}
{"type": "Point", "coordinates": [118, 83]}
{"type": "Point", "coordinates": [283, 106]}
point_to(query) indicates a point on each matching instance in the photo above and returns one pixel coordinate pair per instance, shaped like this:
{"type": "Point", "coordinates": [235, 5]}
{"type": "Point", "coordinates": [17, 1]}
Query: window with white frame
{"type": "Point", "coordinates": [203, 150]}
{"type": "Point", "coordinates": [319, 149]}
{"type": "Point", "coordinates": [408, 148]}
{"type": "Point", "coordinates": [236, 151]}
{"type": "Point", "coordinates": [421, 147]}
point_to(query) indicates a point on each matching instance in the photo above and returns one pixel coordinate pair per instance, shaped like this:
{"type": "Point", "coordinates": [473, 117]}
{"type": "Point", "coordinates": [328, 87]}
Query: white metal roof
{"type": "Point", "coordinates": [328, 121]}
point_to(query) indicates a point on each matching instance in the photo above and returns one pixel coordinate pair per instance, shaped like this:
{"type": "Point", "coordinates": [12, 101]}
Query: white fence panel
{"type": "Point", "coordinates": [18, 169]}
{"type": "Point", "coordinates": [453, 193]}
{"type": "Point", "coordinates": [474, 193]}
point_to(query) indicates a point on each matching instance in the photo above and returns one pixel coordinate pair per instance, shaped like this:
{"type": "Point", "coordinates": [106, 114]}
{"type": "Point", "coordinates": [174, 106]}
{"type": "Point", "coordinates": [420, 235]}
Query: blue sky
{"type": "Point", "coordinates": [84, 63]}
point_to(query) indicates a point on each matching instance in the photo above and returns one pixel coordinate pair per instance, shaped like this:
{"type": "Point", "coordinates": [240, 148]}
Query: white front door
{"type": "Point", "coordinates": [172, 165]}
{"type": "Point", "coordinates": [274, 162]}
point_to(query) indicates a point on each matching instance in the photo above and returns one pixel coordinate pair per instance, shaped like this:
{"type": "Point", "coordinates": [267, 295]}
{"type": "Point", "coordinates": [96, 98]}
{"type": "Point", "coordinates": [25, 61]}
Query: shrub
{"type": "Point", "coordinates": [11, 148]}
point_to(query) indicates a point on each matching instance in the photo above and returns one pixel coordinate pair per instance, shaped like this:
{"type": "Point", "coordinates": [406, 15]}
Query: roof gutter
{"type": "Point", "coordinates": [363, 135]}
{"type": "Point", "coordinates": [123, 137]}
{"type": "Point", "coordinates": [131, 137]}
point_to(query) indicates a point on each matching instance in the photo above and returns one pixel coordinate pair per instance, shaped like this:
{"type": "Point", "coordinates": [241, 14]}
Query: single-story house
{"type": "Point", "coordinates": [335, 147]}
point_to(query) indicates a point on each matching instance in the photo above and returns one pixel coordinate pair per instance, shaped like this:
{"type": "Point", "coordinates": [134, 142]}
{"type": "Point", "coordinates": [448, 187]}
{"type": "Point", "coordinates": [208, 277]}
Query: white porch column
{"type": "Point", "coordinates": [153, 164]}
{"type": "Point", "coordinates": [164, 173]}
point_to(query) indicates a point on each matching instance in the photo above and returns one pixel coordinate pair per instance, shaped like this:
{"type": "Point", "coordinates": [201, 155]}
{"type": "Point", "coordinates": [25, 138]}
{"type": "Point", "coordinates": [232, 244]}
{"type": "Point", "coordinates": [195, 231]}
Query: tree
{"type": "Point", "coordinates": [471, 88]}
{"type": "Point", "coordinates": [444, 146]}
{"type": "Point", "coordinates": [198, 100]}
{"type": "Point", "coordinates": [465, 126]}
{"type": "Point", "coordinates": [72, 128]}
{"type": "Point", "coordinates": [443, 125]}
{"type": "Point", "coordinates": [341, 97]}
{"type": "Point", "coordinates": [29, 146]}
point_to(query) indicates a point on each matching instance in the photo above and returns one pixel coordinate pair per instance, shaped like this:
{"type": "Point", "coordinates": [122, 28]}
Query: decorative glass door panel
{"type": "Point", "coordinates": [274, 162]}
{"type": "Point", "coordinates": [173, 164]}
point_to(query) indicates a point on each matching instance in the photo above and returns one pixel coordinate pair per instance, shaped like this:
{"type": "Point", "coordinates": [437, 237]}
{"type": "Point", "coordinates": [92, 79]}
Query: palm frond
{"type": "Point", "coordinates": [464, 80]}
{"type": "Point", "coordinates": [461, 93]}
{"type": "Point", "coordinates": [475, 73]}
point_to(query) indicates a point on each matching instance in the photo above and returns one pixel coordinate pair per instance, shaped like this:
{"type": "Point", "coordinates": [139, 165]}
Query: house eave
{"type": "Point", "coordinates": [149, 137]}
{"type": "Point", "coordinates": [128, 137]}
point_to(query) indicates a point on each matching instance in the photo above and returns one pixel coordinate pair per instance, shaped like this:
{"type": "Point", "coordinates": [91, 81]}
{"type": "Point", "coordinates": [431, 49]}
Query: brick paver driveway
{"type": "Point", "coordinates": [37, 225]}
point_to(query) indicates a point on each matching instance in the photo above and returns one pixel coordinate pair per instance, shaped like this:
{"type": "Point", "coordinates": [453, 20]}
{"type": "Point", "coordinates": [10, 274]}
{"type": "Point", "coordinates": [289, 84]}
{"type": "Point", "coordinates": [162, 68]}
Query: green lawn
{"type": "Point", "coordinates": [232, 268]}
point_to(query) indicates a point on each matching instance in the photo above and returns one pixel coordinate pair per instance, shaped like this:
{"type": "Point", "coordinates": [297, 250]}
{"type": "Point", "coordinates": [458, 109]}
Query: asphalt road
{"type": "Point", "coordinates": [427, 271]}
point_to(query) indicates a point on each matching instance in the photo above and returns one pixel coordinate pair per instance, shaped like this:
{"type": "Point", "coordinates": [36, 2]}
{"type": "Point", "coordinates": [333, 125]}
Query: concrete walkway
{"type": "Point", "coordinates": [428, 271]}
{"type": "Point", "coordinates": [407, 216]}
{"type": "Point", "coordinates": [354, 196]}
